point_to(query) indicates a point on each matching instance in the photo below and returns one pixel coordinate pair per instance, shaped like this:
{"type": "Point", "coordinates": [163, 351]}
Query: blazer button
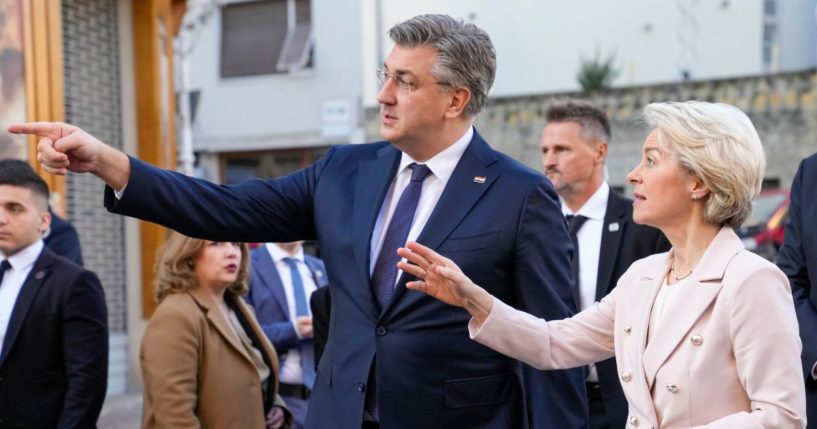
{"type": "Point", "coordinates": [361, 387]}
{"type": "Point", "coordinates": [626, 376]}
{"type": "Point", "coordinates": [672, 388]}
{"type": "Point", "coordinates": [380, 331]}
{"type": "Point", "coordinates": [697, 340]}
{"type": "Point", "coordinates": [628, 329]}
{"type": "Point", "coordinates": [634, 421]}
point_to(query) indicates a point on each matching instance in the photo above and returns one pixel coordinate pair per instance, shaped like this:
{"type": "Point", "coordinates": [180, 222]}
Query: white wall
{"type": "Point", "coordinates": [281, 110]}
{"type": "Point", "coordinates": [539, 43]}
{"type": "Point", "coordinates": [798, 33]}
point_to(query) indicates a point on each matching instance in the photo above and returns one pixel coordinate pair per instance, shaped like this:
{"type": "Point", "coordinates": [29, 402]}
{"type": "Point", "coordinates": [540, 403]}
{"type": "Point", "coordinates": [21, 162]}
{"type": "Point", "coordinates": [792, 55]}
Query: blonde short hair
{"type": "Point", "coordinates": [176, 267]}
{"type": "Point", "coordinates": [718, 144]}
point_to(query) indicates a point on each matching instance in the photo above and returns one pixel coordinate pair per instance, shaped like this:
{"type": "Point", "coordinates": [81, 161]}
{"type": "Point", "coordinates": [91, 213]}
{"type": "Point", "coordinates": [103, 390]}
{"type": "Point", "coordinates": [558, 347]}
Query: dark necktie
{"type": "Point", "coordinates": [384, 274]}
{"type": "Point", "coordinates": [4, 266]}
{"type": "Point", "coordinates": [302, 309]}
{"type": "Point", "coordinates": [574, 223]}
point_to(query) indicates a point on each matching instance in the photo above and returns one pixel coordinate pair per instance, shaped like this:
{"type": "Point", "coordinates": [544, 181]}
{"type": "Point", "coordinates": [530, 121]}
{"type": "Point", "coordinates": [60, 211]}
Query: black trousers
{"type": "Point", "coordinates": [595, 407]}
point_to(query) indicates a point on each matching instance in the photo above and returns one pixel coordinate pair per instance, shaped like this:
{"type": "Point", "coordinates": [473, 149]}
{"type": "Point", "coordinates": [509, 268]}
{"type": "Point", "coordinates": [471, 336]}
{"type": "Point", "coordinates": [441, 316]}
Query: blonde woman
{"type": "Point", "coordinates": [205, 361]}
{"type": "Point", "coordinates": [704, 335]}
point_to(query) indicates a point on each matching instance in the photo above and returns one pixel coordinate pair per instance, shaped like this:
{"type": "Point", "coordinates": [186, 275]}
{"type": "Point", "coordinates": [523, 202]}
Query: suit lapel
{"type": "Point", "coordinates": [271, 278]}
{"type": "Point", "coordinates": [218, 320]}
{"type": "Point", "coordinates": [39, 273]}
{"type": "Point", "coordinates": [374, 177]}
{"type": "Point", "coordinates": [702, 288]}
{"type": "Point", "coordinates": [615, 222]}
{"type": "Point", "coordinates": [459, 196]}
{"type": "Point", "coordinates": [318, 274]}
{"type": "Point", "coordinates": [258, 336]}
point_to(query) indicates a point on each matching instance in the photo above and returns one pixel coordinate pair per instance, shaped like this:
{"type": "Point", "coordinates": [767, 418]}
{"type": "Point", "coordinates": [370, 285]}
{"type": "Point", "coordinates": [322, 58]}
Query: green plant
{"type": "Point", "coordinates": [596, 74]}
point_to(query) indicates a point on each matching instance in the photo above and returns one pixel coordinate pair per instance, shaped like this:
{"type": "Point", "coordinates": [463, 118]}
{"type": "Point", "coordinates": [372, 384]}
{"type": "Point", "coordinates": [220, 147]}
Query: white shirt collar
{"type": "Point", "coordinates": [26, 257]}
{"type": "Point", "coordinates": [593, 208]}
{"type": "Point", "coordinates": [442, 165]}
{"type": "Point", "coordinates": [279, 254]}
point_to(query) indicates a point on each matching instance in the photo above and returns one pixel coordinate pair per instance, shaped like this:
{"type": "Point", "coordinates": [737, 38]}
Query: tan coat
{"type": "Point", "coordinates": [195, 370]}
{"type": "Point", "coordinates": [727, 354]}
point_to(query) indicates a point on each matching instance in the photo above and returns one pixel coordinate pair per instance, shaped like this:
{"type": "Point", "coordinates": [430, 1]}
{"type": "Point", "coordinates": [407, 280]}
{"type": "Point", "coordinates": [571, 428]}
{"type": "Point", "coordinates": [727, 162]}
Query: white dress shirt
{"type": "Point", "coordinates": [21, 264]}
{"type": "Point", "coordinates": [291, 371]}
{"type": "Point", "coordinates": [589, 238]}
{"type": "Point", "coordinates": [442, 167]}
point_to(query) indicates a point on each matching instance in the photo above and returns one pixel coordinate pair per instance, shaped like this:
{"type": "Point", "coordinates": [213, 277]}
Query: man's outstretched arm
{"type": "Point", "coordinates": [63, 148]}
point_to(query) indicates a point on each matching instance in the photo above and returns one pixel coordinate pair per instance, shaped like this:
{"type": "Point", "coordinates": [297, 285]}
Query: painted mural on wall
{"type": "Point", "coordinates": [12, 78]}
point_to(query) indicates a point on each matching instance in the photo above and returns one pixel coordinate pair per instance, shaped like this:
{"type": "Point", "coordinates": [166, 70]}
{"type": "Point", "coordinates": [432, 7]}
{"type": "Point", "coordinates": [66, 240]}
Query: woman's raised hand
{"type": "Point", "coordinates": [437, 276]}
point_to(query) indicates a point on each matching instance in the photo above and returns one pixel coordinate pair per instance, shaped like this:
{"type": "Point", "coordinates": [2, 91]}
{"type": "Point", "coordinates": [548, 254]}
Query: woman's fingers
{"type": "Point", "coordinates": [412, 257]}
{"type": "Point", "coordinates": [412, 269]}
{"type": "Point", "coordinates": [418, 285]}
{"type": "Point", "coordinates": [427, 254]}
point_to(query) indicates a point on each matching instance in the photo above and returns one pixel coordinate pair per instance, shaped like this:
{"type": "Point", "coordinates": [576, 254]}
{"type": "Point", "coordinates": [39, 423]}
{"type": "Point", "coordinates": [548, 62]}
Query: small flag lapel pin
{"type": "Point", "coordinates": [479, 179]}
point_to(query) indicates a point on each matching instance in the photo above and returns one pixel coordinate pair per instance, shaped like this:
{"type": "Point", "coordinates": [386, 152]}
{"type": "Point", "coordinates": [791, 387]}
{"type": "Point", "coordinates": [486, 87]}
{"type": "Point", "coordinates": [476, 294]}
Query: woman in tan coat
{"type": "Point", "coordinates": [205, 361]}
{"type": "Point", "coordinates": [704, 335]}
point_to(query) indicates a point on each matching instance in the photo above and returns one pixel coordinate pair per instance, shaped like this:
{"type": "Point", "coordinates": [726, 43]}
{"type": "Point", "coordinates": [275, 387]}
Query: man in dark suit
{"type": "Point", "coordinates": [62, 239]}
{"type": "Point", "coordinates": [574, 148]}
{"type": "Point", "coordinates": [798, 259]}
{"type": "Point", "coordinates": [53, 320]}
{"type": "Point", "coordinates": [282, 280]}
{"type": "Point", "coordinates": [395, 358]}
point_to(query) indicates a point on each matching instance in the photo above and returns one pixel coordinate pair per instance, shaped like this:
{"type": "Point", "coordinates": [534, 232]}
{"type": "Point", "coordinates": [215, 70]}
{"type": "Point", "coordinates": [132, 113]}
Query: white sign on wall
{"type": "Point", "coordinates": [336, 118]}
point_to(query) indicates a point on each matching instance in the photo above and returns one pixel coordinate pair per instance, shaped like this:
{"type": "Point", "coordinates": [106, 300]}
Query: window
{"type": "Point", "coordinates": [297, 49]}
{"type": "Point", "coordinates": [771, 36]}
{"type": "Point", "coordinates": [265, 37]}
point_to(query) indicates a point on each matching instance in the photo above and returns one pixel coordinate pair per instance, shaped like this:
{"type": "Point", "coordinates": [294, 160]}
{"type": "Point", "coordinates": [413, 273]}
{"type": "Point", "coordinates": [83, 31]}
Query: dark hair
{"type": "Point", "coordinates": [593, 120]}
{"type": "Point", "coordinates": [465, 54]}
{"type": "Point", "coordinates": [14, 172]}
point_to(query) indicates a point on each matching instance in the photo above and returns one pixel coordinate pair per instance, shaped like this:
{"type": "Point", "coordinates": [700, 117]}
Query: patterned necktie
{"type": "Point", "coordinates": [574, 224]}
{"type": "Point", "coordinates": [4, 266]}
{"type": "Point", "coordinates": [302, 309]}
{"type": "Point", "coordinates": [384, 274]}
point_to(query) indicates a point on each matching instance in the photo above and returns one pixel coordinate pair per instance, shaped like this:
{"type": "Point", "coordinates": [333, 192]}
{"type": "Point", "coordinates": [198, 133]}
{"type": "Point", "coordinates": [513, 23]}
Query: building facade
{"type": "Point", "coordinates": [273, 83]}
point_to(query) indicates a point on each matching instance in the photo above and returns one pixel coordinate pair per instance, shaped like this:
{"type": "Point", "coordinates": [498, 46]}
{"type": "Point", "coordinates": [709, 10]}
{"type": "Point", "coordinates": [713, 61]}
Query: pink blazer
{"type": "Point", "coordinates": [726, 356]}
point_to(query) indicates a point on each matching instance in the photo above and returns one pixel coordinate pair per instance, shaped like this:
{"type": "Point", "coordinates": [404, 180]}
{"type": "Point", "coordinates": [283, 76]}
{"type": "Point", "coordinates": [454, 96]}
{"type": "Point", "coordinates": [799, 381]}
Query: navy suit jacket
{"type": "Point", "coordinates": [506, 231]}
{"type": "Point", "coordinates": [622, 242]}
{"type": "Point", "coordinates": [63, 239]}
{"type": "Point", "coordinates": [798, 259]}
{"type": "Point", "coordinates": [54, 361]}
{"type": "Point", "coordinates": [269, 300]}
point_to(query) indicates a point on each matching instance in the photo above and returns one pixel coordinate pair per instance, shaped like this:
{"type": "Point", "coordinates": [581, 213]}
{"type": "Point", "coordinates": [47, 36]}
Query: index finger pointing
{"type": "Point", "coordinates": [42, 129]}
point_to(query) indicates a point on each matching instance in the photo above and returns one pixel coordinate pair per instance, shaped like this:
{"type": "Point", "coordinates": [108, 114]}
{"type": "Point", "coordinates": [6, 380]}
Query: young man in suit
{"type": "Point", "coordinates": [53, 319]}
{"type": "Point", "coordinates": [282, 280]}
{"type": "Point", "coordinates": [574, 148]}
{"type": "Point", "coordinates": [395, 358]}
{"type": "Point", "coordinates": [798, 259]}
